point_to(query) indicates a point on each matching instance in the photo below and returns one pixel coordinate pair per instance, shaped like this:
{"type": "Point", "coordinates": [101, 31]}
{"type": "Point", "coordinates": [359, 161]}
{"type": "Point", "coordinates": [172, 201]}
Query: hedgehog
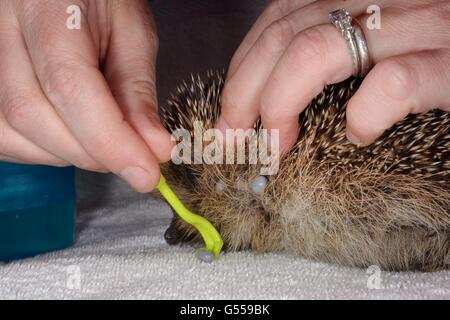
{"type": "Point", "coordinates": [386, 204]}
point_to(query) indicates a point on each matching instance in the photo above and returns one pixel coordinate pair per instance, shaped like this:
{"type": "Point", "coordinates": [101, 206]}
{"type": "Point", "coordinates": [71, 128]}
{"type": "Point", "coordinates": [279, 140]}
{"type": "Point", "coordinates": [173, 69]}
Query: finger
{"type": "Point", "coordinates": [66, 65]}
{"type": "Point", "coordinates": [11, 160]}
{"type": "Point", "coordinates": [276, 9]}
{"type": "Point", "coordinates": [402, 29]}
{"type": "Point", "coordinates": [296, 11]}
{"type": "Point", "coordinates": [319, 56]}
{"type": "Point", "coordinates": [16, 148]}
{"type": "Point", "coordinates": [396, 87]}
{"type": "Point", "coordinates": [316, 57]}
{"type": "Point", "coordinates": [242, 91]}
{"type": "Point", "coordinates": [26, 108]}
{"type": "Point", "coordinates": [130, 71]}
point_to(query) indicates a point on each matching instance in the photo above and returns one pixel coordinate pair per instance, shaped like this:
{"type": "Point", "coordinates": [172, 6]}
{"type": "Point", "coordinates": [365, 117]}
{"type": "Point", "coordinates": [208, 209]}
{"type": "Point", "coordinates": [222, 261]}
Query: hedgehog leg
{"type": "Point", "coordinates": [174, 235]}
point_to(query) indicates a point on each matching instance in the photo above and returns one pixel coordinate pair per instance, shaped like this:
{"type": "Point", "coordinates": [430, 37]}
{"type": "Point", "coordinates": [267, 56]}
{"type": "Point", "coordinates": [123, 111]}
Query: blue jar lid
{"type": "Point", "coordinates": [27, 186]}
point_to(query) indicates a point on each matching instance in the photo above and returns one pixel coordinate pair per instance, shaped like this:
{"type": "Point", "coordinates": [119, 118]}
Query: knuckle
{"type": "Point", "coordinates": [143, 88]}
{"type": "Point", "coordinates": [276, 37]}
{"type": "Point", "coordinates": [19, 110]}
{"type": "Point", "coordinates": [62, 83]}
{"type": "Point", "coordinates": [398, 80]}
{"type": "Point", "coordinates": [308, 48]}
{"type": "Point", "coordinates": [102, 146]}
{"type": "Point", "coordinates": [279, 8]}
{"type": "Point", "coordinates": [274, 8]}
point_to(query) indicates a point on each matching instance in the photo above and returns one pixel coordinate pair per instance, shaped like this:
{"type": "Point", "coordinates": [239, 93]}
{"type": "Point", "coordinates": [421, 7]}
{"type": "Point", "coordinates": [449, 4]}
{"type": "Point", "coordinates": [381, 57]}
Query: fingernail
{"type": "Point", "coordinates": [352, 137]}
{"type": "Point", "coordinates": [137, 177]}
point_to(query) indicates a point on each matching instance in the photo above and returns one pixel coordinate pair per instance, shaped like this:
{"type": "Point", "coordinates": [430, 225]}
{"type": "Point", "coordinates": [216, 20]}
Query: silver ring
{"type": "Point", "coordinates": [353, 34]}
{"type": "Point", "coordinates": [362, 49]}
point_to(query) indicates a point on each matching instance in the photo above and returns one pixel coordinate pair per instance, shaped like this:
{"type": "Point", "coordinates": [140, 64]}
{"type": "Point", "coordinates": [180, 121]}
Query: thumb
{"type": "Point", "coordinates": [130, 71]}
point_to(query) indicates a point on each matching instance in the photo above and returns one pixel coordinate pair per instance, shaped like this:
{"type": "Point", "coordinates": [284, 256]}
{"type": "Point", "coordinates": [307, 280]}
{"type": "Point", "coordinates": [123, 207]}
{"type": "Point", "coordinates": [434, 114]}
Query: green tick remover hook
{"type": "Point", "coordinates": [210, 235]}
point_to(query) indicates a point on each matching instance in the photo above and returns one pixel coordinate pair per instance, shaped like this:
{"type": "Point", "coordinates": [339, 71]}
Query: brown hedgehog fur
{"type": "Point", "coordinates": [387, 204]}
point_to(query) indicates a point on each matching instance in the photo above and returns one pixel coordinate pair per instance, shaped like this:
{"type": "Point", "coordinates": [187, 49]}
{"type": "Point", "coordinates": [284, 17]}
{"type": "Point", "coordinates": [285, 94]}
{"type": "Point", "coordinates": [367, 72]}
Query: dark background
{"type": "Point", "coordinates": [198, 35]}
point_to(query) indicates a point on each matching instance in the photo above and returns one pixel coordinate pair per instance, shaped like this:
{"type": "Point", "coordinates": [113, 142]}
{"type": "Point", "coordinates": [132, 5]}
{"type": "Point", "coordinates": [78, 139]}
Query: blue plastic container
{"type": "Point", "coordinates": [37, 209]}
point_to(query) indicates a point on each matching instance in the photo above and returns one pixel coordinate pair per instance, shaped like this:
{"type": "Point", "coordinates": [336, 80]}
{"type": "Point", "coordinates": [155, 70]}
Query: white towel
{"type": "Point", "coordinates": [120, 253]}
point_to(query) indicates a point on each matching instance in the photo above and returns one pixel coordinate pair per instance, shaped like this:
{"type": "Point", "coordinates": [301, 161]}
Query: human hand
{"type": "Point", "coordinates": [86, 96]}
{"type": "Point", "coordinates": [292, 52]}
